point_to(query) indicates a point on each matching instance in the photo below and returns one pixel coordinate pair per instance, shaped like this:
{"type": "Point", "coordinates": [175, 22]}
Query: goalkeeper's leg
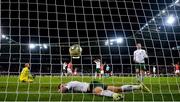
{"type": "Point", "coordinates": [27, 80]}
{"type": "Point", "coordinates": [30, 80]}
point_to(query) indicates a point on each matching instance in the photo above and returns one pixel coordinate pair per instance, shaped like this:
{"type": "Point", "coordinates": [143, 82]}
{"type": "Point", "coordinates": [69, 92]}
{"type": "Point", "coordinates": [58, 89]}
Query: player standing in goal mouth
{"type": "Point", "coordinates": [139, 59]}
{"type": "Point", "coordinates": [25, 75]}
{"type": "Point", "coordinates": [98, 88]}
{"type": "Point", "coordinates": [98, 65]}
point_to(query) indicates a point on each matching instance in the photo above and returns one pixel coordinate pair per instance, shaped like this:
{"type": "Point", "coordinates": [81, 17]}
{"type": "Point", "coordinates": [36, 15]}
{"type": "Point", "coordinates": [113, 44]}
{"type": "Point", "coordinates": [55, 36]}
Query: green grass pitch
{"type": "Point", "coordinates": [44, 88]}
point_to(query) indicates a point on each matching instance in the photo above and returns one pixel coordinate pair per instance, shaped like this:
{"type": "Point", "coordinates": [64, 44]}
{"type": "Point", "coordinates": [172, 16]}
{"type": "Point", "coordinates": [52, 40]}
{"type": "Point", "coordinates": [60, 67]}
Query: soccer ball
{"type": "Point", "coordinates": [117, 96]}
{"type": "Point", "coordinates": [75, 51]}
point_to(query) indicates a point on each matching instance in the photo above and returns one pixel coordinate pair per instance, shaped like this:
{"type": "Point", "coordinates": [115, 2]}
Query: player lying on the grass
{"type": "Point", "coordinates": [98, 88]}
{"type": "Point", "coordinates": [25, 75]}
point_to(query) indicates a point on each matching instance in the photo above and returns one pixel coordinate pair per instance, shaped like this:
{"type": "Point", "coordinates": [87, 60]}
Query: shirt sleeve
{"type": "Point", "coordinates": [69, 85]}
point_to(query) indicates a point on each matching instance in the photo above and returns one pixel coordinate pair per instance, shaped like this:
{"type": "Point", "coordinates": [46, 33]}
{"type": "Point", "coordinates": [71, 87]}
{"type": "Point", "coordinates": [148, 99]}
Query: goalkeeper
{"type": "Point", "coordinates": [25, 75]}
{"type": "Point", "coordinates": [98, 88]}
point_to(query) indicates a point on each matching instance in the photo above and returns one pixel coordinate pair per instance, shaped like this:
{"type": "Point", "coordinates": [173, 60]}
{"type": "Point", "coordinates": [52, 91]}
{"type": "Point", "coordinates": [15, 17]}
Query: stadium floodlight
{"type": "Point", "coordinates": [119, 40]}
{"type": "Point", "coordinates": [112, 40]}
{"type": "Point", "coordinates": [107, 42]}
{"type": "Point", "coordinates": [170, 20]}
{"type": "Point", "coordinates": [3, 36]}
{"type": "Point", "coordinates": [177, 1]}
{"type": "Point", "coordinates": [32, 46]}
{"type": "Point", "coordinates": [45, 46]}
{"type": "Point", "coordinates": [111, 43]}
{"type": "Point", "coordinates": [38, 44]}
{"type": "Point", "coordinates": [163, 11]}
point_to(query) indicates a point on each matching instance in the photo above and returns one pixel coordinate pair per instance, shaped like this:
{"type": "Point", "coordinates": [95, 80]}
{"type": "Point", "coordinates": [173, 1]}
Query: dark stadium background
{"type": "Point", "coordinates": [61, 23]}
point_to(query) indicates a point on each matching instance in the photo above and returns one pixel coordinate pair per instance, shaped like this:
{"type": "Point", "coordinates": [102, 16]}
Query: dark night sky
{"type": "Point", "coordinates": [60, 23]}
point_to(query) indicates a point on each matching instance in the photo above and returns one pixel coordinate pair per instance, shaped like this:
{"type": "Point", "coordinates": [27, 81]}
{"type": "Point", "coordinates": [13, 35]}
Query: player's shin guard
{"type": "Point", "coordinates": [130, 87]}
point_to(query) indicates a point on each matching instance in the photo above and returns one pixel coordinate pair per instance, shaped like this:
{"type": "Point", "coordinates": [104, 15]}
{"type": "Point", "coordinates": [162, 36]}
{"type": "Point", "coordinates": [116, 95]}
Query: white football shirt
{"type": "Point", "coordinates": [78, 86]}
{"type": "Point", "coordinates": [139, 56]}
{"type": "Point", "coordinates": [98, 64]}
{"type": "Point", "coordinates": [154, 69]}
{"type": "Point", "coordinates": [64, 66]}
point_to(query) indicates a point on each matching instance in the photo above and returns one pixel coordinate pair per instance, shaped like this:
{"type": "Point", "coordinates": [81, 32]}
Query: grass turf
{"type": "Point", "coordinates": [45, 89]}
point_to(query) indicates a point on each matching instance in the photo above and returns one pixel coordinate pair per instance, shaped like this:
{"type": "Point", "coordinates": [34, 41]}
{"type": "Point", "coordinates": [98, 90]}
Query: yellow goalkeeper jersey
{"type": "Point", "coordinates": [24, 74]}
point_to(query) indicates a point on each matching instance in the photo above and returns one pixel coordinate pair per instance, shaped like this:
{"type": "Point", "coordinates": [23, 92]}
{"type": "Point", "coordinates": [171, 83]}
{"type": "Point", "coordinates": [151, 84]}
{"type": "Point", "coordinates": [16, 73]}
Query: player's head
{"type": "Point", "coordinates": [62, 88]}
{"type": "Point", "coordinates": [27, 65]}
{"type": "Point", "coordinates": [138, 45]}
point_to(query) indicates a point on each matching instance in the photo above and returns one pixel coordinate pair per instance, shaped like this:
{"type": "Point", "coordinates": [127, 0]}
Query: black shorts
{"type": "Point", "coordinates": [95, 84]}
{"type": "Point", "coordinates": [140, 66]}
{"type": "Point", "coordinates": [107, 71]}
{"type": "Point", "coordinates": [64, 71]}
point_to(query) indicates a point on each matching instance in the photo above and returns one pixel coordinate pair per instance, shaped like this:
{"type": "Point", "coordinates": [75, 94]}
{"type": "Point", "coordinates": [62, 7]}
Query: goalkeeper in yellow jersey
{"type": "Point", "coordinates": [25, 75]}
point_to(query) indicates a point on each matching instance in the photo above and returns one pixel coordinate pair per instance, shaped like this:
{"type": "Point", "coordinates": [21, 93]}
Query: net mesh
{"type": "Point", "coordinates": [40, 32]}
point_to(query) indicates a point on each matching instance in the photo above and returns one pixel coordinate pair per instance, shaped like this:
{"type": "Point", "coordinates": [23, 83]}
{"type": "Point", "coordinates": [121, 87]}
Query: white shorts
{"type": "Point", "coordinates": [177, 71]}
{"type": "Point", "coordinates": [75, 73]}
{"type": "Point", "coordinates": [69, 71]}
{"type": "Point", "coordinates": [102, 72]}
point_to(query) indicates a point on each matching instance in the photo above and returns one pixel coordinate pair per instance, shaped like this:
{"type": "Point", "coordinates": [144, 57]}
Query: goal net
{"type": "Point", "coordinates": [40, 32]}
